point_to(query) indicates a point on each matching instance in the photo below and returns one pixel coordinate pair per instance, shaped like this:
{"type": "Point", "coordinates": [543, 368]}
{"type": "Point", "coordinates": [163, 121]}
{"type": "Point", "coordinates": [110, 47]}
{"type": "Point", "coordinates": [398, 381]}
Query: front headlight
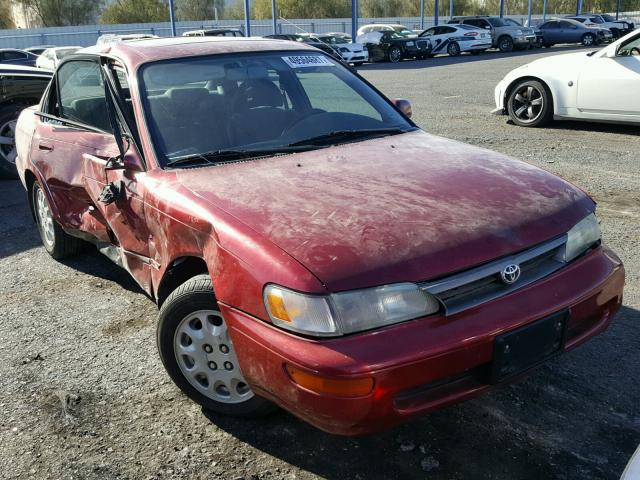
{"type": "Point", "coordinates": [344, 50]}
{"type": "Point", "coordinates": [347, 312]}
{"type": "Point", "coordinates": [410, 44]}
{"type": "Point", "coordinates": [582, 236]}
{"type": "Point", "coordinates": [519, 32]}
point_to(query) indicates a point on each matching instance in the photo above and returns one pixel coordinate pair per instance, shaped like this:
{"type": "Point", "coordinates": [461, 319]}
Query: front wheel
{"type": "Point", "coordinates": [56, 241]}
{"type": "Point", "coordinates": [505, 44]}
{"type": "Point", "coordinates": [197, 352]}
{"type": "Point", "coordinates": [453, 49]}
{"type": "Point", "coordinates": [530, 104]}
{"type": "Point", "coordinates": [588, 39]}
{"type": "Point", "coordinates": [395, 54]}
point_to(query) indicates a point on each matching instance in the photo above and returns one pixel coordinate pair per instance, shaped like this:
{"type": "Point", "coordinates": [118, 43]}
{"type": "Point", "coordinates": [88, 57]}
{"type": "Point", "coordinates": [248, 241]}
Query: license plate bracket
{"type": "Point", "coordinates": [526, 347]}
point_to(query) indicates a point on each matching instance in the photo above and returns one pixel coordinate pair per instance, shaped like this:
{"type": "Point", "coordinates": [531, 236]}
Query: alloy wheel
{"type": "Point", "coordinates": [8, 141]}
{"type": "Point", "coordinates": [395, 55]}
{"type": "Point", "coordinates": [528, 103]}
{"type": "Point", "coordinates": [207, 359]}
{"type": "Point", "coordinates": [45, 219]}
{"type": "Point", "coordinates": [588, 40]}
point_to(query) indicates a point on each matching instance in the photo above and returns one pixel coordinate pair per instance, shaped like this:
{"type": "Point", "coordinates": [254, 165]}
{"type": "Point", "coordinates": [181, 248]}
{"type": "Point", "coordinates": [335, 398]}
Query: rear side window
{"type": "Point", "coordinates": [12, 55]}
{"type": "Point", "coordinates": [81, 94]}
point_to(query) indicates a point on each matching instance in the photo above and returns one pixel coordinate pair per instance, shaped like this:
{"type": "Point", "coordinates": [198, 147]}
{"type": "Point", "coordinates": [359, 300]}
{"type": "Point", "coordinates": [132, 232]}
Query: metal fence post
{"type": "Point", "coordinates": [530, 12]}
{"type": "Point", "coordinates": [436, 13]}
{"type": "Point", "coordinates": [544, 11]}
{"type": "Point", "coordinates": [354, 20]}
{"type": "Point", "coordinates": [273, 16]}
{"type": "Point", "coordinates": [421, 14]}
{"type": "Point", "coordinates": [501, 8]}
{"type": "Point", "coordinates": [579, 7]}
{"type": "Point", "coordinates": [247, 20]}
{"type": "Point", "coordinates": [172, 19]}
{"type": "Point", "coordinates": [450, 9]}
{"type": "Point", "coordinates": [617, 9]}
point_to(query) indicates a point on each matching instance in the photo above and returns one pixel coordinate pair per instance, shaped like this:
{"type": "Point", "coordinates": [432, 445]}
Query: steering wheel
{"type": "Point", "coordinates": [635, 51]}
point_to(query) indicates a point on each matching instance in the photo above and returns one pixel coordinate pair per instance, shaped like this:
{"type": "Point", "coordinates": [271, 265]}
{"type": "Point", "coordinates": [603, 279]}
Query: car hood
{"type": "Point", "coordinates": [563, 62]}
{"type": "Point", "coordinates": [408, 207]}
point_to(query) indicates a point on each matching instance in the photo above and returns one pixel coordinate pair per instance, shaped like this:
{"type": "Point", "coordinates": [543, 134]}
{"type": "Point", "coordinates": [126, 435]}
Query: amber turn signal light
{"type": "Point", "coordinates": [341, 388]}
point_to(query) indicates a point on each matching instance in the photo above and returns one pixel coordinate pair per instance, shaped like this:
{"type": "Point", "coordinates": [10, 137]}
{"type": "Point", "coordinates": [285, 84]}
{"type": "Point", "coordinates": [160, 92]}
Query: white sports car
{"type": "Point", "coordinates": [600, 85]}
{"type": "Point", "coordinates": [455, 39]}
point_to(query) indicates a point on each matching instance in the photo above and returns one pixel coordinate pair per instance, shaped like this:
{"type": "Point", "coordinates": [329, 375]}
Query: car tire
{"type": "Point", "coordinates": [8, 118]}
{"type": "Point", "coordinates": [589, 40]}
{"type": "Point", "coordinates": [453, 49]}
{"type": "Point", "coordinates": [530, 104]}
{"type": "Point", "coordinates": [394, 54]}
{"type": "Point", "coordinates": [505, 44]}
{"type": "Point", "coordinates": [191, 334]}
{"type": "Point", "coordinates": [58, 243]}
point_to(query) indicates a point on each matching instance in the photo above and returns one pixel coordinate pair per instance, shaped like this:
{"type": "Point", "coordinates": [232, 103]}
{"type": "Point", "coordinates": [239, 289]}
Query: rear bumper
{"type": "Point", "coordinates": [424, 364]}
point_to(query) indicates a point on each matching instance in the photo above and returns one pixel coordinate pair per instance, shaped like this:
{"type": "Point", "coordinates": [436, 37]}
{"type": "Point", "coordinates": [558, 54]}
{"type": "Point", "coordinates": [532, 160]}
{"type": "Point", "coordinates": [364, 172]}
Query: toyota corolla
{"type": "Point", "coordinates": [307, 244]}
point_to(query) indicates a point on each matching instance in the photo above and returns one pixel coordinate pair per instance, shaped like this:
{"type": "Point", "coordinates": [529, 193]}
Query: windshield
{"type": "Point", "coordinates": [496, 22]}
{"type": "Point", "coordinates": [511, 21]}
{"type": "Point", "coordinates": [608, 18]}
{"type": "Point", "coordinates": [335, 40]}
{"type": "Point", "coordinates": [404, 32]}
{"type": "Point", "coordinates": [65, 52]}
{"type": "Point", "coordinates": [263, 102]}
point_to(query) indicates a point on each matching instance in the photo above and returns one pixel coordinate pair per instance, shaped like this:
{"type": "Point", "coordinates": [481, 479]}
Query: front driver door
{"type": "Point", "coordinates": [74, 142]}
{"type": "Point", "coordinates": [608, 86]}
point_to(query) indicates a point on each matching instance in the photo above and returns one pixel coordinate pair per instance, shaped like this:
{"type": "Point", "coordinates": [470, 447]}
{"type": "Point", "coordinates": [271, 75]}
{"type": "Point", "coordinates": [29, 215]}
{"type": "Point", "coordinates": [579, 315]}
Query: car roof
{"type": "Point", "coordinates": [136, 53]}
{"type": "Point", "coordinates": [6, 69]}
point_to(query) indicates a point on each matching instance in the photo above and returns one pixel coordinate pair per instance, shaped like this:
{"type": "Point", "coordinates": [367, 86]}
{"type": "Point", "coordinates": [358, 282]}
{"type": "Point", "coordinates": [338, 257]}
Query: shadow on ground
{"type": "Point", "coordinates": [558, 423]}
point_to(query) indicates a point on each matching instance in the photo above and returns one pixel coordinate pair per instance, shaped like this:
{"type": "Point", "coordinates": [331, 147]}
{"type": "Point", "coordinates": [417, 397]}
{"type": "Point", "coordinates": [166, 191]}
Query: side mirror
{"type": "Point", "coordinates": [129, 161]}
{"type": "Point", "coordinates": [404, 106]}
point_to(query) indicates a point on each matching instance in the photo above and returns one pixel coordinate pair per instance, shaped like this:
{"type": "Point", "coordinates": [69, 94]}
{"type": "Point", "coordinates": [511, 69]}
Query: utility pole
{"type": "Point", "coordinates": [247, 20]}
{"type": "Point", "coordinates": [273, 16]}
{"type": "Point", "coordinates": [421, 14]}
{"type": "Point", "coordinates": [436, 13]}
{"type": "Point", "coordinates": [172, 18]}
{"type": "Point", "coordinates": [354, 20]}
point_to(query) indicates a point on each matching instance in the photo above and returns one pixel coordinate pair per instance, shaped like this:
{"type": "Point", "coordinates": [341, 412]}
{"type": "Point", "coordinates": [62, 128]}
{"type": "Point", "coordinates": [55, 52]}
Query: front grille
{"type": "Point", "coordinates": [465, 290]}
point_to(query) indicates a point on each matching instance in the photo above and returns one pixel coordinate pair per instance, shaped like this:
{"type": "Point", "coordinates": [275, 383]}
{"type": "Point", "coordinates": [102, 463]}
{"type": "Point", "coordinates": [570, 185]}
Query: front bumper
{"type": "Point", "coordinates": [498, 94]}
{"type": "Point", "coordinates": [355, 57]}
{"type": "Point", "coordinates": [424, 364]}
{"type": "Point", "coordinates": [521, 40]}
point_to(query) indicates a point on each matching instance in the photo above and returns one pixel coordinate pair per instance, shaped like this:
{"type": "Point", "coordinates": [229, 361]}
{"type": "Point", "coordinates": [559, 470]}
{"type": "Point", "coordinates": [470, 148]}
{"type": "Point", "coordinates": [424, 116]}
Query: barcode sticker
{"type": "Point", "coordinates": [302, 61]}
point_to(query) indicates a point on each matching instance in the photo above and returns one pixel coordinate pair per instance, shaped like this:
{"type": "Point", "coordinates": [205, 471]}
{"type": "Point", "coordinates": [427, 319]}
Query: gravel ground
{"type": "Point", "coordinates": [83, 394]}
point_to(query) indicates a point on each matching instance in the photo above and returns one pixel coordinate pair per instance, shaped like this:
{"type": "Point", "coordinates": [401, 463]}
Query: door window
{"type": "Point", "coordinates": [631, 48]}
{"type": "Point", "coordinates": [81, 94]}
{"type": "Point", "coordinates": [12, 55]}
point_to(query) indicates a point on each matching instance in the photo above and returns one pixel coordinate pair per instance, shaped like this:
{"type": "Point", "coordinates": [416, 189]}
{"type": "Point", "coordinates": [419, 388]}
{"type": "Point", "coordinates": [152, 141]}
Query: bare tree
{"type": "Point", "coordinates": [56, 13]}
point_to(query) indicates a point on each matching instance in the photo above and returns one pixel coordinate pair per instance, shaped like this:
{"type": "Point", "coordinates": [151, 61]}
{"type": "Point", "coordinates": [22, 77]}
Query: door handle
{"type": "Point", "coordinates": [45, 146]}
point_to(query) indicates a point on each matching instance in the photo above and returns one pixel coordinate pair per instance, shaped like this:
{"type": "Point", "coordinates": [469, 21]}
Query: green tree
{"type": "Point", "coordinates": [135, 11]}
{"type": "Point", "coordinates": [199, 9]}
{"type": "Point", "coordinates": [302, 9]}
{"type": "Point", "coordinates": [57, 13]}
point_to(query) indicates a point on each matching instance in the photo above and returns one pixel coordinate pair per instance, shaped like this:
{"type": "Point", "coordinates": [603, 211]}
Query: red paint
{"type": "Point", "coordinates": [411, 207]}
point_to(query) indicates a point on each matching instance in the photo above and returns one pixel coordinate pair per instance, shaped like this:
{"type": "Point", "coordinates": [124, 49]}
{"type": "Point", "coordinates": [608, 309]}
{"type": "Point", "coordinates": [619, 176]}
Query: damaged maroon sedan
{"type": "Point", "coordinates": [307, 244]}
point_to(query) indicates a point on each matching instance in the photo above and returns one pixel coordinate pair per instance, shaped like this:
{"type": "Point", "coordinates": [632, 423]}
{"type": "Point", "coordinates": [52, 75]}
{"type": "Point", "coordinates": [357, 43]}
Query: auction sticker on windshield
{"type": "Point", "coordinates": [301, 61]}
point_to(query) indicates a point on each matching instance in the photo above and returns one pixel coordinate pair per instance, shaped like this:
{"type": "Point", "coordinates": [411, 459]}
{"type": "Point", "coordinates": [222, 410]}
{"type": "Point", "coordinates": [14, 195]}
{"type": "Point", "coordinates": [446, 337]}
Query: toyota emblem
{"type": "Point", "coordinates": [510, 274]}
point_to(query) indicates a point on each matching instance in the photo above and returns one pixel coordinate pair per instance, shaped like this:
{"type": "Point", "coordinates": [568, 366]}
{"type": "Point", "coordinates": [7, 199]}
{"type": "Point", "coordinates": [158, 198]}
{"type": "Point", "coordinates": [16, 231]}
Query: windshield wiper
{"type": "Point", "coordinates": [221, 156]}
{"type": "Point", "coordinates": [342, 135]}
